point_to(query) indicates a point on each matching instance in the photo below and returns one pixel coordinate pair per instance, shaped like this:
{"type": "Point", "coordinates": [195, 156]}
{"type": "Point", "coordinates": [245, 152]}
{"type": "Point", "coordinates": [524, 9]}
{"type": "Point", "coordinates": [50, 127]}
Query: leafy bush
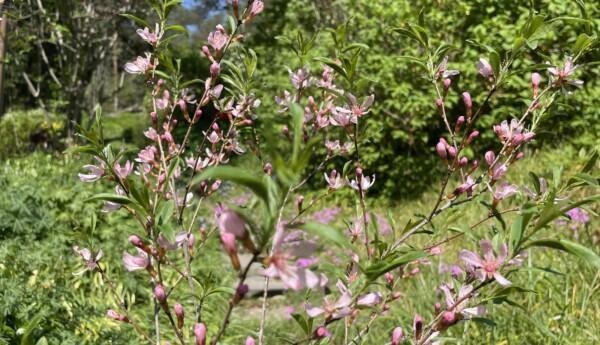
{"type": "Point", "coordinates": [24, 131]}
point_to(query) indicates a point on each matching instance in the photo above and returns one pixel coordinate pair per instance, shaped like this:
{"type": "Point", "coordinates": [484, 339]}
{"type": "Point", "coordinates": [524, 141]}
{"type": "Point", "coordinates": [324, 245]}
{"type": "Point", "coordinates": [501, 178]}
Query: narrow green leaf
{"type": "Point", "coordinates": [570, 247]}
{"type": "Point", "coordinates": [326, 232]}
{"type": "Point", "coordinates": [238, 176]}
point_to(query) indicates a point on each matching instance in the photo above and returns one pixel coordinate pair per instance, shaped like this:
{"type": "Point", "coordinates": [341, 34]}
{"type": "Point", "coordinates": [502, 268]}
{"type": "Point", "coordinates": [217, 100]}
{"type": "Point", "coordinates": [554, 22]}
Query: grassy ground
{"type": "Point", "coordinates": [43, 214]}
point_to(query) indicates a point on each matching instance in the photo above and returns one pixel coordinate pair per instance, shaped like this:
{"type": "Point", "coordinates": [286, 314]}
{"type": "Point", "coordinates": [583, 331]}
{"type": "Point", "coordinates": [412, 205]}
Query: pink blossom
{"type": "Point", "coordinates": [397, 336]}
{"type": "Point", "coordinates": [200, 333]}
{"type": "Point", "coordinates": [459, 305]}
{"type": "Point", "coordinates": [370, 299]}
{"type": "Point", "coordinates": [300, 79]}
{"type": "Point", "coordinates": [488, 267]}
{"type": "Point", "coordinates": [499, 171]}
{"type": "Point", "coordinates": [90, 260]}
{"type": "Point", "coordinates": [141, 65]}
{"type": "Point", "coordinates": [123, 171]}
{"type": "Point", "coordinates": [443, 71]}
{"type": "Point", "coordinates": [466, 187]}
{"type": "Point", "coordinates": [514, 134]}
{"type": "Point", "coordinates": [334, 180]}
{"type": "Point", "coordinates": [110, 206]}
{"type": "Point", "coordinates": [560, 76]}
{"type": "Point", "coordinates": [197, 163]}
{"type": "Point", "coordinates": [505, 190]}
{"type": "Point", "coordinates": [218, 38]}
{"type": "Point", "coordinates": [136, 263]}
{"type": "Point", "coordinates": [485, 69]}
{"type": "Point", "coordinates": [94, 172]}
{"type": "Point", "coordinates": [147, 154]}
{"type": "Point", "coordinates": [111, 314]}
{"type": "Point", "coordinates": [342, 118]}
{"type": "Point", "coordinates": [365, 183]}
{"type": "Point", "coordinates": [331, 310]}
{"type": "Point", "coordinates": [282, 264]}
{"type": "Point", "coordinates": [250, 341]}
{"type": "Point", "coordinates": [256, 8]}
{"type": "Point", "coordinates": [151, 134]}
{"type": "Point", "coordinates": [355, 109]}
{"type": "Point", "coordinates": [151, 37]}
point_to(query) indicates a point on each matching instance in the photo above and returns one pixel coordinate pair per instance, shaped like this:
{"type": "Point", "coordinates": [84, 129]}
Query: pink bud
{"type": "Point", "coordinates": [215, 69]}
{"type": "Point", "coordinates": [459, 122]}
{"type": "Point", "coordinates": [197, 114]}
{"type": "Point", "coordinates": [182, 105]}
{"type": "Point", "coordinates": [160, 294]}
{"type": "Point", "coordinates": [206, 52]}
{"type": "Point", "coordinates": [536, 78]}
{"type": "Point", "coordinates": [359, 172]}
{"type": "Point", "coordinates": [111, 314]}
{"type": "Point", "coordinates": [136, 241]}
{"type": "Point", "coordinates": [452, 151]}
{"type": "Point", "coordinates": [520, 155]}
{"type": "Point", "coordinates": [179, 314]}
{"type": "Point", "coordinates": [321, 332]}
{"type": "Point", "coordinates": [417, 327]}
{"type": "Point", "coordinates": [441, 150]}
{"type": "Point", "coordinates": [448, 318]}
{"type": "Point", "coordinates": [447, 83]}
{"type": "Point", "coordinates": [490, 157]}
{"type": "Point", "coordinates": [472, 136]}
{"type": "Point", "coordinates": [200, 333]}
{"type": "Point", "coordinates": [468, 102]}
{"type": "Point", "coordinates": [389, 278]}
{"type": "Point", "coordinates": [439, 102]}
{"type": "Point", "coordinates": [154, 117]}
{"type": "Point", "coordinates": [397, 336]}
{"type": "Point", "coordinates": [437, 308]}
{"type": "Point", "coordinates": [250, 341]}
{"type": "Point", "coordinates": [242, 290]}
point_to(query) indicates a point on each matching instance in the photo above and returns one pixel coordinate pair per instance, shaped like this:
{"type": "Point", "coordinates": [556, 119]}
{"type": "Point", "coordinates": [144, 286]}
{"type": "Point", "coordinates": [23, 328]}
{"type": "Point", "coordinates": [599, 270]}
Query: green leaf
{"type": "Point", "coordinates": [326, 232]}
{"type": "Point", "coordinates": [137, 20]}
{"type": "Point", "coordinates": [570, 247]}
{"type": "Point", "coordinates": [484, 321]}
{"type": "Point", "coordinates": [334, 65]}
{"type": "Point", "coordinates": [238, 176]}
{"type": "Point", "coordinates": [298, 122]}
{"type": "Point", "coordinates": [304, 322]}
{"type": "Point", "coordinates": [118, 199]}
{"type": "Point", "coordinates": [554, 211]}
{"type": "Point", "coordinates": [178, 28]}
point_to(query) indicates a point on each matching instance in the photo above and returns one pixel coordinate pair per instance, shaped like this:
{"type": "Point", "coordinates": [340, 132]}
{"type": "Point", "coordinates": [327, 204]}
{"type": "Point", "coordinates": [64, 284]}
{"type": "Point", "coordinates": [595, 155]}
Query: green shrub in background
{"type": "Point", "coordinates": [24, 131]}
{"type": "Point", "coordinates": [42, 212]}
{"type": "Point", "coordinates": [406, 126]}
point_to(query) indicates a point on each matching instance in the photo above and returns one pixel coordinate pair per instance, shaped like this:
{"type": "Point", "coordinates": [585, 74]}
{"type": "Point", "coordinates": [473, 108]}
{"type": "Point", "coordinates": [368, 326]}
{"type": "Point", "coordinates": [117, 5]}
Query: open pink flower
{"type": "Point", "coordinates": [513, 133]}
{"type": "Point", "coordinates": [334, 310]}
{"type": "Point", "coordinates": [334, 180]}
{"type": "Point", "coordinates": [561, 76]}
{"type": "Point", "coordinates": [94, 172]}
{"type": "Point", "coordinates": [487, 267]}
{"type": "Point", "coordinates": [218, 38]}
{"type": "Point", "coordinates": [140, 65]}
{"type": "Point", "coordinates": [365, 183]}
{"type": "Point", "coordinates": [136, 262]}
{"type": "Point", "coordinates": [459, 305]}
{"type": "Point", "coordinates": [485, 69]}
{"type": "Point", "coordinates": [283, 261]}
{"type": "Point", "coordinates": [90, 260]}
{"type": "Point", "coordinates": [443, 71]}
{"type": "Point", "coordinates": [466, 187]}
{"type": "Point", "coordinates": [505, 190]}
{"type": "Point", "coordinates": [123, 171]}
{"type": "Point", "coordinates": [149, 36]}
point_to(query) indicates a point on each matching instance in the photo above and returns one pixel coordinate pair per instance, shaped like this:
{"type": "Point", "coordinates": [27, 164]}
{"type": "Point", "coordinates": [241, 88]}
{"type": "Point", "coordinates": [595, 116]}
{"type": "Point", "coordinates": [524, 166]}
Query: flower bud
{"type": "Point", "coordinates": [447, 83]}
{"type": "Point", "coordinates": [154, 117]}
{"type": "Point", "coordinates": [472, 136]}
{"type": "Point", "coordinates": [452, 151]}
{"type": "Point", "coordinates": [396, 295]}
{"type": "Point", "coordinates": [459, 122]}
{"type": "Point", "coordinates": [268, 168]}
{"type": "Point", "coordinates": [441, 150]}
{"type": "Point", "coordinates": [439, 103]}
{"type": "Point", "coordinates": [200, 333]}
{"type": "Point", "coordinates": [206, 52]}
{"type": "Point", "coordinates": [418, 327]}
{"type": "Point", "coordinates": [389, 278]}
{"type": "Point", "coordinates": [490, 157]}
{"type": "Point", "coordinates": [321, 332]}
{"type": "Point", "coordinates": [397, 336]}
{"type": "Point", "coordinates": [250, 341]}
{"type": "Point", "coordinates": [437, 308]}
{"type": "Point", "coordinates": [519, 155]}
{"type": "Point", "coordinates": [215, 69]}
{"type": "Point", "coordinates": [536, 79]}
{"type": "Point", "coordinates": [136, 241]}
{"type": "Point", "coordinates": [197, 114]}
{"type": "Point", "coordinates": [468, 103]}
{"type": "Point", "coordinates": [179, 314]}
{"type": "Point", "coordinates": [160, 294]}
{"type": "Point", "coordinates": [111, 314]}
{"type": "Point", "coordinates": [359, 172]}
{"type": "Point", "coordinates": [299, 202]}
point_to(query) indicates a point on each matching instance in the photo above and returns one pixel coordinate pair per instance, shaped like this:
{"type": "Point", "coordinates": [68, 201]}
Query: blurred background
{"type": "Point", "coordinates": [61, 59]}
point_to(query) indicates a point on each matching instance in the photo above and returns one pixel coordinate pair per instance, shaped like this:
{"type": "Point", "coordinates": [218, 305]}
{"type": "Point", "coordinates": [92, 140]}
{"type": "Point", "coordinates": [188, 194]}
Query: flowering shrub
{"type": "Point", "coordinates": [171, 182]}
